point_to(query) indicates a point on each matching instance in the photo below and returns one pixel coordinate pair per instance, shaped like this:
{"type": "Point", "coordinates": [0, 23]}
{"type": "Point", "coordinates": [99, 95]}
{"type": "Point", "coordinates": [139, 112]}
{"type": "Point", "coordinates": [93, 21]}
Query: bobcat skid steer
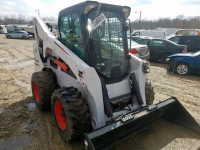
{"type": "Point", "coordinates": [93, 85]}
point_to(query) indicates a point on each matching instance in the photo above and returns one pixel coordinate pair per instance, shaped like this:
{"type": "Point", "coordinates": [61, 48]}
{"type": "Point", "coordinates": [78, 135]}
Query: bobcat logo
{"type": "Point", "coordinates": [80, 74]}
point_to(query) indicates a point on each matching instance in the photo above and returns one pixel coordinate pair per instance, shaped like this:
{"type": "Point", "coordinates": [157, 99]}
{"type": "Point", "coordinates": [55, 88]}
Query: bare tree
{"type": "Point", "coordinates": [178, 22]}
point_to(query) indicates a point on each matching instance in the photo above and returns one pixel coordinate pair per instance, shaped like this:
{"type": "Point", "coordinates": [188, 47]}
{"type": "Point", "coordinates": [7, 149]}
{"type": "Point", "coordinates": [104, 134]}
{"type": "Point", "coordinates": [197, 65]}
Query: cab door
{"type": "Point", "coordinates": [14, 34]}
{"type": "Point", "coordinates": [156, 48]}
{"type": "Point", "coordinates": [19, 35]}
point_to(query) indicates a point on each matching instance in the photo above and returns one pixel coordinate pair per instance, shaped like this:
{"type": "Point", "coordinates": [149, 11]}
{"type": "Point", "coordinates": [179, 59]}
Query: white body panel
{"type": "Point", "coordinates": [3, 29]}
{"type": "Point", "coordinates": [118, 89]}
{"type": "Point", "coordinates": [89, 82]}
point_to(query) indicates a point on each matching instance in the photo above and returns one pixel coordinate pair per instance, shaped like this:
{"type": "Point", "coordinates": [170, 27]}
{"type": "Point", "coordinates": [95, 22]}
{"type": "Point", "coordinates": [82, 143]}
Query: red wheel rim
{"type": "Point", "coordinates": [35, 90]}
{"type": "Point", "coordinates": [60, 115]}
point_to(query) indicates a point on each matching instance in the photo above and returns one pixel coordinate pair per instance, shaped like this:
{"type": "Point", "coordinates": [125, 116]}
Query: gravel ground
{"type": "Point", "coordinates": [22, 126]}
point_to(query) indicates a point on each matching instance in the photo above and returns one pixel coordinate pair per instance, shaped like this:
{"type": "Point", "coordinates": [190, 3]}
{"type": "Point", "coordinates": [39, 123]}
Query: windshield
{"type": "Point", "coordinates": [197, 53]}
{"type": "Point", "coordinates": [105, 30]}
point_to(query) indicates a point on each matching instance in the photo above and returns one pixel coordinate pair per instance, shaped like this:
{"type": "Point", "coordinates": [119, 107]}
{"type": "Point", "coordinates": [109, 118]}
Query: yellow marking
{"type": "Point", "coordinates": [141, 114]}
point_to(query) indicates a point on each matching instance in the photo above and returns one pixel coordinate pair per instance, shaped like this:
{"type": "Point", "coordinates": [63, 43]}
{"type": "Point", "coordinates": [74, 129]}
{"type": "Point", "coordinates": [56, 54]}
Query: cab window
{"type": "Point", "coordinates": [70, 34]}
{"type": "Point", "coordinates": [143, 42]}
{"type": "Point", "coordinates": [175, 40]}
{"type": "Point", "coordinates": [157, 43]}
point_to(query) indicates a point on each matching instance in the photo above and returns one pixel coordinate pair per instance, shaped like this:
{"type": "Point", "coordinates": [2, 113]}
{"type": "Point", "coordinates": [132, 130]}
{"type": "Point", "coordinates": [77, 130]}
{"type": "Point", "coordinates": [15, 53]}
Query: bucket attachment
{"type": "Point", "coordinates": [170, 109]}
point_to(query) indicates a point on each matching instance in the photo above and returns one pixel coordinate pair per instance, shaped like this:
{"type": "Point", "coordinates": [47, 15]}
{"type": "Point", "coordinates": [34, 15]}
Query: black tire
{"type": "Point", "coordinates": [23, 37]}
{"type": "Point", "coordinates": [182, 69]}
{"type": "Point", "coordinates": [75, 114]}
{"type": "Point", "coordinates": [163, 58]}
{"type": "Point", "coordinates": [43, 84]}
{"type": "Point", "coordinates": [149, 93]}
{"type": "Point", "coordinates": [8, 37]}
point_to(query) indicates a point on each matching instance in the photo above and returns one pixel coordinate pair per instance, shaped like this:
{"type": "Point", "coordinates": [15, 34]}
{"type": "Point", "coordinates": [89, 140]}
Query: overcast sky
{"type": "Point", "coordinates": [151, 9]}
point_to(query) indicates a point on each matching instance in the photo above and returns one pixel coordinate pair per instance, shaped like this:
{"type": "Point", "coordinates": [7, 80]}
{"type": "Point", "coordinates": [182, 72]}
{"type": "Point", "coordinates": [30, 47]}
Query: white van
{"type": "Point", "coordinates": [3, 29]}
{"type": "Point", "coordinates": [186, 32]}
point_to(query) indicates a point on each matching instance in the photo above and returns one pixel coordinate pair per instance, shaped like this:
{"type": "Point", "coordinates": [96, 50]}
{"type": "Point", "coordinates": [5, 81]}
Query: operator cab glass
{"type": "Point", "coordinates": [105, 33]}
{"type": "Point", "coordinates": [70, 34]}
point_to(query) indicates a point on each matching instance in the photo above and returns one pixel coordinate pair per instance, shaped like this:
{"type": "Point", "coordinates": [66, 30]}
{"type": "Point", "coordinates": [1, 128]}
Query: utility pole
{"type": "Point", "coordinates": [139, 20]}
{"type": "Point", "coordinates": [38, 12]}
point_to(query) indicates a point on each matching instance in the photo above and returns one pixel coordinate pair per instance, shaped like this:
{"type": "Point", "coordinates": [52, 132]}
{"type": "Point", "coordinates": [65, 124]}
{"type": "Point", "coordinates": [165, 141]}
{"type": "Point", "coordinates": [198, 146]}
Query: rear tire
{"type": "Point", "coordinates": [43, 85]}
{"type": "Point", "coordinates": [70, 112]}
{"type": "Point", "coordinates": [149, 93]}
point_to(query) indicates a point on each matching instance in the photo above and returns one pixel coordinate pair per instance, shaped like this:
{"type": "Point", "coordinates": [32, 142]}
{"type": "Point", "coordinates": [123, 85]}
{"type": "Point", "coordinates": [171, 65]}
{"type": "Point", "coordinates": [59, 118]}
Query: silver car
{"type": "Point", "coordinates": [141, 51]}
{"type": "Point", "coordinates": [18, 35]}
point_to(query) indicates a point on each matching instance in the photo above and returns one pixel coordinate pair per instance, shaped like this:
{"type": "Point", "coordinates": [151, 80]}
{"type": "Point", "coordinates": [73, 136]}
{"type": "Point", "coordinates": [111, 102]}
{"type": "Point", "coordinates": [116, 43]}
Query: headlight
{"type": "Point", "coordinates": [167, 59]}
{"type": "Point", "coordinates": [146, 67]}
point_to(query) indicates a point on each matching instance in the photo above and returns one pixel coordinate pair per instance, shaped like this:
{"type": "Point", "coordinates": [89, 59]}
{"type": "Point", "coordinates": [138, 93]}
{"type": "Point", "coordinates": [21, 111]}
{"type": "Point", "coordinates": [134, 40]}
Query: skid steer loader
{"type": "Point", "coordinates": [92, 84]}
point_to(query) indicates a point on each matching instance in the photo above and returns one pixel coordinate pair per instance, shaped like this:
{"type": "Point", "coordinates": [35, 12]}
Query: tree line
{"type": "Point", "coordinates": [178, 22]}
{"type": "Point", "coordinates": [22, 19]}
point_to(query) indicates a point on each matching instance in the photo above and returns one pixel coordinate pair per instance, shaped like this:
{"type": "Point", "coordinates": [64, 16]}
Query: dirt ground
{"type": "Point", "coordinates": [22, 126]}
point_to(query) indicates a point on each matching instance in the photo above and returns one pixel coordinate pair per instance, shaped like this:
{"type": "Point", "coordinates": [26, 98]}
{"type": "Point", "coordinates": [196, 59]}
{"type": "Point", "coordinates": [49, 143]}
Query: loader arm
{"type": "Point", "coordinates": [50, 42]}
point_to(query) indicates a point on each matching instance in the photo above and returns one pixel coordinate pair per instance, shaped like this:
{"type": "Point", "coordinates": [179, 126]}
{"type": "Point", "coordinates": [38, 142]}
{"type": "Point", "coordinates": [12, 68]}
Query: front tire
{"type": "Point", "coordinates": [23, 37]}
{"type": "Point", "coordinates": [70, 112]}
{"type": "Point", "coordinates": [149, 93]}
{"type": "Point", "coordinates": [8, 37]}
{"type": "Point", "coordinates": [43, 85]}
{"type": "Point", "coordinates": [182, 69]}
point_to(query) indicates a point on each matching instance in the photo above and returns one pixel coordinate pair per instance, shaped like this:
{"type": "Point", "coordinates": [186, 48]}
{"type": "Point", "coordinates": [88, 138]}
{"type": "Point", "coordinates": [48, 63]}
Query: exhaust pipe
{"type": "Point", "coordinates": [170, 109]}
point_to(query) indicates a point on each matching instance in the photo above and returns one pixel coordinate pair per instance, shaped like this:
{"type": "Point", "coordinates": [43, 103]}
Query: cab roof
{"type": "Point", "coordinates": [85, 7]}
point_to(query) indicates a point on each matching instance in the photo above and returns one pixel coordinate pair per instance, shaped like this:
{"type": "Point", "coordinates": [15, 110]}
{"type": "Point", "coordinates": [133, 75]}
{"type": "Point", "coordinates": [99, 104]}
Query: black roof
{"type": "Point", "coordinates": [80, 8]}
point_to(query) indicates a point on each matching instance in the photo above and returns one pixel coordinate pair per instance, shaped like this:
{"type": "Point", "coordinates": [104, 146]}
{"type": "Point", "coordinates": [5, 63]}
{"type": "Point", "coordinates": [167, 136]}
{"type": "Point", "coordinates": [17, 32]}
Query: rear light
{"type": "Point", "coordinates": [133, 51]}
{"type": "Point", "coordinates": [185, 50]}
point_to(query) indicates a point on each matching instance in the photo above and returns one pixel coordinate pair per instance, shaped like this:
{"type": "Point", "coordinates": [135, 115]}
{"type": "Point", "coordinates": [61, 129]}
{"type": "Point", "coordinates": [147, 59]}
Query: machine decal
{"type": "Point", "coordinates": [141, 114]}
{"type": "Point", "coordinates": [80, 74]}
{"type": "Point", "coordinates": [98, 21]}
{"type": "Point", "coordinates": [37, 64]}
{"type": "Point", "coordinates": [61, 48]}
{"type": "Point", "coordinates": [127, 117]}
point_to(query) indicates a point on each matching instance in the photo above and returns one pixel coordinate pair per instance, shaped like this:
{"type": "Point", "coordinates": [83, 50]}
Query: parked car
{"type": "Point", "coordinates": [18, 35]}
{"type": "Point", "coordinates": [141, 51]}
{"type": "Point", "coordinates": [160, 49]}
{"type": "Point", "coordinates": [135, 38]}
{"type": "Point", "coordinates": [186, 32]}
{"type": "Point", "coordinates": [184, 63]}
{"type": "Point", "coordinates": [192, 41]}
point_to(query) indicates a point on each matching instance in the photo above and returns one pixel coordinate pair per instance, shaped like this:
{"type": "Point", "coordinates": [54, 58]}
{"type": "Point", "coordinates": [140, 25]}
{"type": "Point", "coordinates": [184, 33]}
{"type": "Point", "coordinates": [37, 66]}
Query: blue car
{"type": "Point", "coordinates": [184, 63]}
